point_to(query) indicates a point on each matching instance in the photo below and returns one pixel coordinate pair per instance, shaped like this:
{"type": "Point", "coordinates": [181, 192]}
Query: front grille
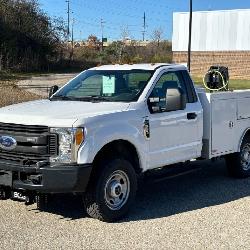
{"type": "Point", "coordinates": [34, 144]}
{"type": "Point", "coordinates": [18, 128]}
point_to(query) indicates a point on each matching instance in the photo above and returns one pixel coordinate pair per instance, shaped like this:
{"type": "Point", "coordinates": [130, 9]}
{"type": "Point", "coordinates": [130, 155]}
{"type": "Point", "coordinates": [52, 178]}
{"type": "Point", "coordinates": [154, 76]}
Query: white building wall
{"type": "Point", "coordinates": [227, 30]}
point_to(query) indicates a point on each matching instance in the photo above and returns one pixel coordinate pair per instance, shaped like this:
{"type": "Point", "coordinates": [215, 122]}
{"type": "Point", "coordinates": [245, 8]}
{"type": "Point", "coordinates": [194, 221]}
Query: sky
{"type": "Point", "coordinates": [127, 15]}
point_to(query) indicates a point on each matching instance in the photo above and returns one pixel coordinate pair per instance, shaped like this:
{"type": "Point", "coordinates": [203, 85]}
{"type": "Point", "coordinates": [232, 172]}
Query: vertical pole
{"type": "Point", "coordinates": [72, 38]}
{"type": "Point", "coordinates": [190, 34]}
{"type": "Point", "coordinates": [144, 27]}
{"type": "Point", "coordinates": [68, 18]}
{"type": "Point", "coordinates": [102, 23]}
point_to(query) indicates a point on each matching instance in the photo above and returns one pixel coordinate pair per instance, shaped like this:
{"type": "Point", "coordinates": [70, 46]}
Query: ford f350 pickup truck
{"type": "Point", "coordinates": [111, 124]}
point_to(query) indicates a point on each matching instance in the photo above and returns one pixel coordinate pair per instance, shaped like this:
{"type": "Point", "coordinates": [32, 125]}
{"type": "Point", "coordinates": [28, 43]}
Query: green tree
{"type": "Point", "coordinates": [29, 39]}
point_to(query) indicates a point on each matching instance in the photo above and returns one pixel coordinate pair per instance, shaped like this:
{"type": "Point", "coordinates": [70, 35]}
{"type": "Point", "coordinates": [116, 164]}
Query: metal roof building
{"type": "Point", "coordinates": [217, 37]}
{"type": "Point", "coordinates": [213, 30]}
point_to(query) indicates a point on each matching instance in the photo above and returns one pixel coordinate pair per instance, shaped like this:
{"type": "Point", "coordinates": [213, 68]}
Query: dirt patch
{"type": "Point", "coordinates": [11, 94]}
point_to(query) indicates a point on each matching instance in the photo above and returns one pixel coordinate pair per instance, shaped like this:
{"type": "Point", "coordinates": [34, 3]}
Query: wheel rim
{"type": "Point", "coordinates": [117, 190]}
{"type": "Point", "coordinates": [245, 157]}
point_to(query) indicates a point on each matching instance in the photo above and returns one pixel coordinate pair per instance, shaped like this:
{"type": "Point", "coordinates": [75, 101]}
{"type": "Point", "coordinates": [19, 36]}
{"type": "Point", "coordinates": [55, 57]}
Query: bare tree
{"type": "Point", "coordinates": [157, 35]}
{"type": "Point", "coordinates": [125, 34]}
{"type": "Point", "coordinates": [124, 37]}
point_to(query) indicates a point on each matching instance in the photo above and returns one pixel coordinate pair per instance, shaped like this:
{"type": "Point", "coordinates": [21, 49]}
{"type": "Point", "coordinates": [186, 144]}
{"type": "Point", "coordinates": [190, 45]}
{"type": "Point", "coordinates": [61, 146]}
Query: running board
{"type": "Point", "coordinates": [169, 172]}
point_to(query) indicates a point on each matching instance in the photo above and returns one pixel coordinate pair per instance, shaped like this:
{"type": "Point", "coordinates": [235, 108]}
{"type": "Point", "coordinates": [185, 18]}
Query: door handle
{"type": "Point", "coordinates": [191, 116]}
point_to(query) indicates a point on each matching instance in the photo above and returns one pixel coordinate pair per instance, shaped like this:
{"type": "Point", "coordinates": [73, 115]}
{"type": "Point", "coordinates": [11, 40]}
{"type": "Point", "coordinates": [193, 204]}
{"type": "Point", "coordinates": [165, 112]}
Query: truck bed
{"type": "Point", "coordinates": [226, 120]}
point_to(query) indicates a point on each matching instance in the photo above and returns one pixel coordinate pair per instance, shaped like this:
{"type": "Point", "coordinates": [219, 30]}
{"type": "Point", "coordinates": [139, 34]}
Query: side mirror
{"type": "Point", "coordinates": [156, 104]}
{"type": "Point", "coordinates": [53, 90]}
{"type": "Point", "coordinates": [175, 99]}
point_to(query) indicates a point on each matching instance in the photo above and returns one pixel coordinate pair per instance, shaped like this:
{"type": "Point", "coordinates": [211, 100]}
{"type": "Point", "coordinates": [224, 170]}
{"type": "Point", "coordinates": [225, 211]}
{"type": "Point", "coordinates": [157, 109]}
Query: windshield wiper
{"type": "Point", "coordinates": [91, 98]}
{"type": "Point", "coordinates": [94, 98]}
{"type": "Point", "coordinates": [63, 97]}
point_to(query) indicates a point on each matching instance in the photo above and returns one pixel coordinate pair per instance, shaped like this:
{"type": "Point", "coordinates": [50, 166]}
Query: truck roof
{"type": "Point", "coordinates": [146, 66]}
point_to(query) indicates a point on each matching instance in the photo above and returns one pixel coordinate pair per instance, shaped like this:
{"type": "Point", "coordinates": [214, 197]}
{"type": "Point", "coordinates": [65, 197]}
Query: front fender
{"type": "Point", "coordinates": [99, 136]}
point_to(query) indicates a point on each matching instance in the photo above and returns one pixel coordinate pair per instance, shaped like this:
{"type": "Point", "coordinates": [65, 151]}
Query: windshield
{"type": "Point", "coordinates": [105, 85]}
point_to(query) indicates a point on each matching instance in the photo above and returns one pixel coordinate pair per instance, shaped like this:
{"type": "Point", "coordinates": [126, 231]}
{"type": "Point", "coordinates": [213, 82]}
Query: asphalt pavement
{"type": "Point", "coordinates": [205, 209]}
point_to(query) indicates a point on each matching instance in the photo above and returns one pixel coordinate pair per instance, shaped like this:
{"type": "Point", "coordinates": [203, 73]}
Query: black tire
{"type": "Point", "coordinates": [98, 199]}
{"type": "Point", "coordinates": [42, 202]}
{"type": "Point", "coordinates": [236, 164]}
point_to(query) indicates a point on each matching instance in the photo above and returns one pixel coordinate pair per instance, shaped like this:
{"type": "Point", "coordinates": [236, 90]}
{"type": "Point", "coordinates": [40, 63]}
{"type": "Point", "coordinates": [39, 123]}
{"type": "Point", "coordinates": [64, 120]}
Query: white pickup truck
{"type": "Point", "coordinates": [111, 124]}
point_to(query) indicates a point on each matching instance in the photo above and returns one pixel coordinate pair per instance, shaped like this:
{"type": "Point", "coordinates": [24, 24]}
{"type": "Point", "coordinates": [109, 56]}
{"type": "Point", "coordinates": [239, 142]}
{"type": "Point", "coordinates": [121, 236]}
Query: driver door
{"type": "Point", "coordinates": [174, 135]}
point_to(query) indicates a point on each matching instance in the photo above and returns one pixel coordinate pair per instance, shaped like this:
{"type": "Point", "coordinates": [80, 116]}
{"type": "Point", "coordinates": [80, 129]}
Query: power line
{"type": "Point", "coordinates": [116, 13]}
{"type": "Point", "coordinates": [110, 25]}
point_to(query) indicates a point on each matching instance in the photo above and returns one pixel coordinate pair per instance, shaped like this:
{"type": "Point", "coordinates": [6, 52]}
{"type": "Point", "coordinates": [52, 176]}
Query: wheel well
{"type": "Point", "coordinates": [245, 135]}
{"type": "Point", "coordinates": [118, 148]}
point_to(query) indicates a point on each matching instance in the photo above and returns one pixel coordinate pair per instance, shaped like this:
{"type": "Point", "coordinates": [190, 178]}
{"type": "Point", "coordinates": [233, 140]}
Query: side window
{"type": "Point", "coordinates": [167, 80]}
{"type": "Point", "coordinates": [192, 97]}
{"type": "Point", "coordinates": [138, 80]}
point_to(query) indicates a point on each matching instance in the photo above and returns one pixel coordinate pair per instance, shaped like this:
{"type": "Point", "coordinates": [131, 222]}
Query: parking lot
{"type": "Point", "coordinates": [203, 209]}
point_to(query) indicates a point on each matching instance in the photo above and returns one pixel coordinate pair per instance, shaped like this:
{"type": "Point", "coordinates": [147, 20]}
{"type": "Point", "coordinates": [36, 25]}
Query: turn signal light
{"type": "Point", "coordinates": [79, 136]}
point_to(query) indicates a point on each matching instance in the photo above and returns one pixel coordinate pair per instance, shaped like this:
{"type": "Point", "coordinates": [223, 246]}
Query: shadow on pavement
{"type": "Point", "coordinates": [68, 206]}
{"type": "Point", "coordinates": [206, 187]}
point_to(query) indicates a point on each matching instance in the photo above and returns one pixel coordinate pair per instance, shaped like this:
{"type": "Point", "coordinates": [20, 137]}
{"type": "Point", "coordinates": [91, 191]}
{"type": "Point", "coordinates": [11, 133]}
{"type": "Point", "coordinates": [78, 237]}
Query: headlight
{"type": "Point", "coordinates": [69, 140]}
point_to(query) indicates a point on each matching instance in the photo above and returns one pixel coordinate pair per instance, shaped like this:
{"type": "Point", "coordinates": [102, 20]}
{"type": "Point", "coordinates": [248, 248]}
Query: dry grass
{"type": "Point", "coordinates": [10, 94]}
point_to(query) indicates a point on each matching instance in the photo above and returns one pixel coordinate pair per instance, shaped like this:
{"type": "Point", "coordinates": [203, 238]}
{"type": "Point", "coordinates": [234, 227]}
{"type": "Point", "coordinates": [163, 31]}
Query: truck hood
{"type": "Point", "coordinates": [56, 113]}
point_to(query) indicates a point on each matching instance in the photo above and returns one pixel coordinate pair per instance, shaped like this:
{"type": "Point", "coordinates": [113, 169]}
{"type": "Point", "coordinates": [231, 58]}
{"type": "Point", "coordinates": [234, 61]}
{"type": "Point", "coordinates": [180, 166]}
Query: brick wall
{"type": "Point", "coordinates": [238, 62]}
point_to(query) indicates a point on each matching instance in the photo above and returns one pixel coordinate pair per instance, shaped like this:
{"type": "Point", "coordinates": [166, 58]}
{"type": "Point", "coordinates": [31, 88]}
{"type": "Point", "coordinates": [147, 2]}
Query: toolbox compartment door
{"type": "Point", "coordinates": [244, 108]}
{"type": "Point", "coordinates": [223, 126]}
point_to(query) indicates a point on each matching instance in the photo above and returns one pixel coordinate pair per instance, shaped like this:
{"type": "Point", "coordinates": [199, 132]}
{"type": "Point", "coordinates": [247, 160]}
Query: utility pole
{"type": "Point", "coordinates": [68, 11]}
{"type": "Point", "coordinates": [190, 34]}
{"type": "Point", "coordinates": [102, 28]}
{"type": "Point", "coordinates": [144, 27]}
{"type": "Point", "coordinates": [72, 39]}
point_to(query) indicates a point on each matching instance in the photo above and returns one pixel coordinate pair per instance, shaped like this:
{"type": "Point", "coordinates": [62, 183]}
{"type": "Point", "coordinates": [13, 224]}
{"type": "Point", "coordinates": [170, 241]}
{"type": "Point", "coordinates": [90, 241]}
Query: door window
{"type": "Point", "coordinates": [167, 80]}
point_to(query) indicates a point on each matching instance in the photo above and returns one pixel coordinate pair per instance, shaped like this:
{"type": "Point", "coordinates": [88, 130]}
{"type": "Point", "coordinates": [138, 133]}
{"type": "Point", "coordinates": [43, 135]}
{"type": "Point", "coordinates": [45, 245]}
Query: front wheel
{"type": "Point", "coordinates": [238, 164]}
{"type": "Point", "coordinates": [112, 191]}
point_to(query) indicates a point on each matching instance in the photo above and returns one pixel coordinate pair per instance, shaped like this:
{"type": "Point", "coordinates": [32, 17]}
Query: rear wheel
{"type": "Point", "coordinates": [112, 191]}
{"type": "Point", "coordinates": [238, 164]}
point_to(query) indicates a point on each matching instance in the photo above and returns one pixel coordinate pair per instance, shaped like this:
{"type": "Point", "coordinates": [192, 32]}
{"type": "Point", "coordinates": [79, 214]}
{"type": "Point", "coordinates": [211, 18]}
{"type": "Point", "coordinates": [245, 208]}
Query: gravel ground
{"type": "Point", "coordinates": [201, 210]}
{"type": "Point", "coordinates": [46, 81]}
